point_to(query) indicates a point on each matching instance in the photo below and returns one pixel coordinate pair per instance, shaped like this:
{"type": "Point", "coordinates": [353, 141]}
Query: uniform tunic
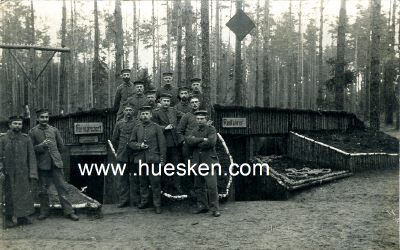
{"type": "Point", "coordinates": [124, 91]}
{"type": "Point", "coordinates": [187, 123]}
{"type": "Point", "coordinates": [204, 152]}
{"type": "Point", "coordinates": [137, 101]}
{"type": "Point", "coordinates": [183, 107]}
{"type": "Point", "coordinates": [169, 90]}
{"type": "Point", "coordinates": [50, 166]}
{"type": "Point", "coordinates": [121, 136]}
{"type": "Point", "coordinates": [18, 158]}
{"type": "Point", "coordinates": [152, 135]}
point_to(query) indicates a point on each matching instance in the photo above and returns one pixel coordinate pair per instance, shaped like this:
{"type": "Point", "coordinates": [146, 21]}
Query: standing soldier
{"type": "Point", "coordinates": [120, 138]}
{"type": "Point", "coordinates": [183, 104]}
{"type": "Point", "coordinates": [148, 142]}
{"type": "Point", "coordinates": [48, 144]}
{"type": "Point", "coordinates": [187, 123]}
{"type": "Point", "coordinates": [167, 88]}
{"type": "Point", "coordinates": [18, 166]}
{"type": "Point", "coordinates": [196, 90]}
{"type": "Point", "coordinates": [202, 140]}
{"type": "Point", "coordinates": [138, 99]}
{"type": "Point", "coordinates": [167, 118]}
{"type": "Point", "coordinates": [124, 91]}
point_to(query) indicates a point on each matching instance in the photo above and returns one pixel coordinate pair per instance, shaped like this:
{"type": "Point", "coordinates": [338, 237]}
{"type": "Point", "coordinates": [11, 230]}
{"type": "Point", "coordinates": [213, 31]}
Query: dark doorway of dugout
{"type": "Point", "coordinates": [93, 185]}
{"type": "Point", "coordinates": [252, 188]}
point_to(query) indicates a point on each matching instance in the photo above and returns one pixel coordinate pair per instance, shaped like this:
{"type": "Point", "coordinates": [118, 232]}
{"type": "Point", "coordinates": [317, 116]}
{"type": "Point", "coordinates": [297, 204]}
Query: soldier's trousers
{"type": "Point", "coordinates": [55, 176]}
{"type": "Point", "coordinates": [174, 157]}
{"type": "Point", "coordinates": [155, 182]}
{"type": "Point", "coordinates": [206, 186]}
{"type": "Point", "coordinates": [125, 182]}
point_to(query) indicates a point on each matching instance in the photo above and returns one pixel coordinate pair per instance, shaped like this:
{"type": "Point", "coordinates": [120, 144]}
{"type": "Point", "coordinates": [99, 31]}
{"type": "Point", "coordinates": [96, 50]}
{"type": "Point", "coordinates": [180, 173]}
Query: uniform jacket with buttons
{"type": "Point", "coordinates": [45, 156]}
{"type": "Point", "coordinates": [164, 117]}
{"type": "Point", "coordinates": [151, 134]}
{"type": "Point", "coordinates": [120, 139]}
{"type": "Point", "coordinates": [203, 151]}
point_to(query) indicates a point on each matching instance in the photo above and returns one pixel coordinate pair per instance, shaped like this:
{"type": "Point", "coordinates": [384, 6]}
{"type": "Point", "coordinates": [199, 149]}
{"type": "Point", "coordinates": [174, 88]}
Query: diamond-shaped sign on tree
{"type": "Point", "coordinates": [240, 24]}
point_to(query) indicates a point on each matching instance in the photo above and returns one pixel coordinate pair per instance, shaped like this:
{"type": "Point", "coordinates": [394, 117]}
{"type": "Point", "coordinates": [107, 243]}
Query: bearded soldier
{"type": "Point", "coordinates": [48, 144]}
{"type": "Point", "coordinates": [183, 104]}
{"type": "Point", "coordinates": [124, 91]}
{"type": "Point", "coordinates": [18, 165]}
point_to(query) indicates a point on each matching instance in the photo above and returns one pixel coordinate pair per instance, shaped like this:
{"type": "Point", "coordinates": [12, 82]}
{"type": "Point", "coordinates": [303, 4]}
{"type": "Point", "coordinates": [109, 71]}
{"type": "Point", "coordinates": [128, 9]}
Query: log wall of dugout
{"type": "Point", "coordinates": [303, 148]}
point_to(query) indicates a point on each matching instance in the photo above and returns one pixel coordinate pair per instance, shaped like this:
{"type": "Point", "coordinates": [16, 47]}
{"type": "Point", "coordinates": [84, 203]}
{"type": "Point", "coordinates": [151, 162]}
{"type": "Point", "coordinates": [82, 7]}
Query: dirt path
{"type": "Point", "coordinates": [358, 212]}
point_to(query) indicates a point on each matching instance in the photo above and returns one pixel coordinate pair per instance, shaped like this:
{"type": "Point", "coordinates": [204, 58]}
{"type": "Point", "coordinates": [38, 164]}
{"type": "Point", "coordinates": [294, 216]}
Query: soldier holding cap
{"type": "Point", "coordinates": [124, 91]}
{"type": "Point", "coordinates": [17, 167]}
{"type": "Point", "coordinates": [167, 118]}
{"type": "Point", "coordinates": [121, 136]}
{"type": "Point", "coordinates": [167, 88]}
{"type": "Point", "coordinates": [48, 144]}
{"type": "Point", "coordinates": [183, 104]}
{"type": "Point", "coordinates": [138, 99]}
{"type": "Point", "coordinates": [202, 140]}
{"type": "Point", "coordinates": [148, 142]}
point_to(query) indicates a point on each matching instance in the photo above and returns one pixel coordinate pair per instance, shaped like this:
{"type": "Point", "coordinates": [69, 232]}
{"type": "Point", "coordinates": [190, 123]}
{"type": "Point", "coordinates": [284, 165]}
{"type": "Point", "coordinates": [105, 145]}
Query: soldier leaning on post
{"type": "Point", "coordinates": [122, 133]}
{"type": "Point", "coordinates": [167, 118]}
{"type": "Point", "coordinates": [202, 140]}
{"type": "Point", "coordinates": [167, 88]}
{"type": "Point", "coordinates": [124, 91]}
{"type": "Point", "coordinates": [148, 143]}
{"type": "Point", "coordinates": [18, 167]}
{"type": "Point", "coordinates": [48, 144]}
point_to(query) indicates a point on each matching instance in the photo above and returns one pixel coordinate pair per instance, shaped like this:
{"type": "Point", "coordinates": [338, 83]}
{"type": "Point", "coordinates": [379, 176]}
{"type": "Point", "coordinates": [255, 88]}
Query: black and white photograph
{"type": "Point", "coordinates": [199, 124]}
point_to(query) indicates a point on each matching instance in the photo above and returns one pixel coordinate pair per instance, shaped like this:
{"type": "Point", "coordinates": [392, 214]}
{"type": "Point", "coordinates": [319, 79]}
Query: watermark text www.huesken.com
{"type": "Point", "coordinates": [181, 169]}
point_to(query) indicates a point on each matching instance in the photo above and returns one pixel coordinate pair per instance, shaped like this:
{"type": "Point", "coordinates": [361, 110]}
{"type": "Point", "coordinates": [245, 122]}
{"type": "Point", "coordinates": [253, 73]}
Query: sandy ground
{"type": "Point", "coordinates": [359, 212]}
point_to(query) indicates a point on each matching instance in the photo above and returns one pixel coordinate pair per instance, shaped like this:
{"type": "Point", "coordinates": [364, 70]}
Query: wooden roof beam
{"type": "Point", "coordinates": [31, 46]}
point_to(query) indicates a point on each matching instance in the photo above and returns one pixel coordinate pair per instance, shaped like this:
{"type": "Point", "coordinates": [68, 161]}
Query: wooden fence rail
{"type": "Point", "coordinates": [304, 148]}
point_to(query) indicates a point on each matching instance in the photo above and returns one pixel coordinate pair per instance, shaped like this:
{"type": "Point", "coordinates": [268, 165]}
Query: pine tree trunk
{"type": "Point", "coordinates": [134, 43]}
{"type": "Point", "coordinates": [119, 39]}
{"type": "Point", "coordinates": [266, 77]}
{"type": "Point", "coordinates": [189, 41]}
{"type": "Point", "coordinates": [239, 100]}
{"type": "Point", "coordinates": [205, 53]}
{"type": "Point", "coordinates": [320, 101]}
{"type": "Point", "coordinates": [375, 63]}
{"type": "Point", "coordinates": [179, 44]}
{"type": "Point", "coordinates": [61, 97]}
{"type": "Point", "coordinates": [339, 72]}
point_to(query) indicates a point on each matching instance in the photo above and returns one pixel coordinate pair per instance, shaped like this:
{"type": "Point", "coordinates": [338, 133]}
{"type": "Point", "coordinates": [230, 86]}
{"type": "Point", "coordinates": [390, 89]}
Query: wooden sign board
{"type": "Point", "coordinates": [234, 122]}
{"type": "Point", "coordinates": [88, 139]}
{"type": "Point", "coordinates": [82, 128]}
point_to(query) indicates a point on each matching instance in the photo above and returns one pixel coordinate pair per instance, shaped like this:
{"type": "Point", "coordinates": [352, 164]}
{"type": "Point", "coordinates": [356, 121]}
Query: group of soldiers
{"type": "Point", "coordinates": [159, 126]}
{"type": "Point", "coordinates": [29, 160]}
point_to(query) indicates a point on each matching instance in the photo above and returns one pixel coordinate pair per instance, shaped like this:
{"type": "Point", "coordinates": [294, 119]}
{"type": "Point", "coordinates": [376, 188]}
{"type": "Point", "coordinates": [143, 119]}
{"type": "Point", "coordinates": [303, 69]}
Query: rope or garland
{"type": "Point", "coordinates": [185, 196]}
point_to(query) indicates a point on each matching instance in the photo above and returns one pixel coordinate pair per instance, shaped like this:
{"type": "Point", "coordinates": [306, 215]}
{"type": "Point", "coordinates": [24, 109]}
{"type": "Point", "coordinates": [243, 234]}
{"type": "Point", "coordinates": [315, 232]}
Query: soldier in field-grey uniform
{"type": "Point", "coordinates": [48, 144]}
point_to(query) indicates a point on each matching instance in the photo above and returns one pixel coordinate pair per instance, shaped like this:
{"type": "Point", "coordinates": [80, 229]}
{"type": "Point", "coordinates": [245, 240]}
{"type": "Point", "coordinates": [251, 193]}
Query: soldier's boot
{"type": "Point", "coordinates": [216, 214]}
{"type": "Point", "coordinates": [158, 210]}
{"type": "Point", "coordinates": [43, 216]}
{"type": "Point", "coordinates": [9, 223]}
{"type": "Point", "coordinates": [24, 221]}
{"type": "Point", "coordinates": [143, 205]}
{"type": "Point", "coordinates": [72, 216]}
{"type": "Point", "coordinates": [200, 210]}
